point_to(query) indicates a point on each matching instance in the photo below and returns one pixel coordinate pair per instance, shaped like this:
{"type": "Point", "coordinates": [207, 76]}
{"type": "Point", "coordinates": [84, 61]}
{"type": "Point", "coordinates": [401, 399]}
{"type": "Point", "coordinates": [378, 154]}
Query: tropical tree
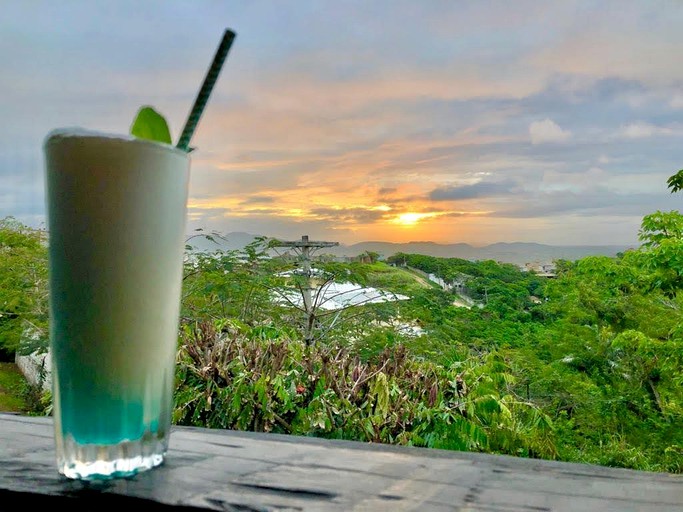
{"type": "Point", "coordinates": [23, 286]}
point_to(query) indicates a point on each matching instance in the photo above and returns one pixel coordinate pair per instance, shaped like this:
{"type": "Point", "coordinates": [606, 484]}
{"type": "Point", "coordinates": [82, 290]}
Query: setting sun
{"type": "Point", "coordinates": [410, 219]}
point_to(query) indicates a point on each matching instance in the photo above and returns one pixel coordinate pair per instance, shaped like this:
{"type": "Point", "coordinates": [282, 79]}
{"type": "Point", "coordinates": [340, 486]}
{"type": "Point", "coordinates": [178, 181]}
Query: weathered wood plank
{"type": "Point", "coordinates": [228, 470]}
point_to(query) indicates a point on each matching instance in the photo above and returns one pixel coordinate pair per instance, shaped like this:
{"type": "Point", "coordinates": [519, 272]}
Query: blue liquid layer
{"type": "Point", "coordinates": [97, 412]}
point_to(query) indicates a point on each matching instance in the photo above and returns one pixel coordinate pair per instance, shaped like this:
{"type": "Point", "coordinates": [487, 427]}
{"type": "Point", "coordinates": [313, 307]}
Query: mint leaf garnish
{"type": "Point", "coordinates": [150, 125]}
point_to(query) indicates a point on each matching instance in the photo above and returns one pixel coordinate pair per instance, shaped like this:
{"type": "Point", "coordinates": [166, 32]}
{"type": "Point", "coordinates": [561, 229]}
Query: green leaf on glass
{"type": "Point", "coordinates": [150, 125]}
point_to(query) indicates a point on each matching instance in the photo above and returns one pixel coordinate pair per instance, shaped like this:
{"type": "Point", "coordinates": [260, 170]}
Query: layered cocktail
{"type": "Point", "coordinates": [116, 222]}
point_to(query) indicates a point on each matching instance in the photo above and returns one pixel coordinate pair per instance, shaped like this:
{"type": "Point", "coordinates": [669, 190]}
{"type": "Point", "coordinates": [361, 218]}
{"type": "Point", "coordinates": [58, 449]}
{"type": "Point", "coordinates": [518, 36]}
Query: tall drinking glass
{"type": "Point", "coordinates": [116, 221]}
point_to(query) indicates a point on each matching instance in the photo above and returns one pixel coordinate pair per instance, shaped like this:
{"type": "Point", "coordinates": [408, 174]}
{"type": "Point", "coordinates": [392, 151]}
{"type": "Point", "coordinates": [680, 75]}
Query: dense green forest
{"type": "Point", "coordinates": [582, 367]}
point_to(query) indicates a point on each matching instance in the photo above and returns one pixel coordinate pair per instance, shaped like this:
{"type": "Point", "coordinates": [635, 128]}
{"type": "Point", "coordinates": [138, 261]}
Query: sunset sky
{"type": "Point", "coordinates": [451, 121]}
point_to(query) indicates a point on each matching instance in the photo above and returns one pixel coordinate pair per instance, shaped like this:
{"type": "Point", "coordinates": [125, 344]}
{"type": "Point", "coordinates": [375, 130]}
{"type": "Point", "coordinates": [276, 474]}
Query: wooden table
{"type": "Point", "coordinates": [240, 471]}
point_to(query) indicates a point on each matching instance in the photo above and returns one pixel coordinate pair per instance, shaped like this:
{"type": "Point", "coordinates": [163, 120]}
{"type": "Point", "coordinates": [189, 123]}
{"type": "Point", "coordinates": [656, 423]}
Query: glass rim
{"type": "Point", "coordinates": [67, 133]}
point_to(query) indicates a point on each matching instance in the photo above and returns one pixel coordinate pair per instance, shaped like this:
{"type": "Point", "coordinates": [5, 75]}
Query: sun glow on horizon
{"type": "Point", "coordinates": [411, 218]}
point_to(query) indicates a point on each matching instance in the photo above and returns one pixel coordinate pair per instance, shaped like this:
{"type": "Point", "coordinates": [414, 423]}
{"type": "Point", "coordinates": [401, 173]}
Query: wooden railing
{"type": "Point", "coordinates": [239, 471]}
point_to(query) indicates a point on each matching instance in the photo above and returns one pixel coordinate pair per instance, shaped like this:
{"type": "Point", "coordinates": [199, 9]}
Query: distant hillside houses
{"type": "Point", "coordinates": [540, 269]}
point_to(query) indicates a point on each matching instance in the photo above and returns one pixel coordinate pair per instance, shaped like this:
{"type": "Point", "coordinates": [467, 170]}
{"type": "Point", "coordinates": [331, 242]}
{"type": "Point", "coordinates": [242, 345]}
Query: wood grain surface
{"type": "Point", "coordinates": [225, 470]}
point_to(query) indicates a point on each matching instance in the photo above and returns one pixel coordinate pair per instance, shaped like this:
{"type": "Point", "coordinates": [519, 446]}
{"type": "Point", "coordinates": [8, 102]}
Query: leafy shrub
{"type": "Point", "coordinates": [259, 379]}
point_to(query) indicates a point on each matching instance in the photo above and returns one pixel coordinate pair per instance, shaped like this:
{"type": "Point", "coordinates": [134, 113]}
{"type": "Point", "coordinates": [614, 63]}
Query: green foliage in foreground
{"type": "Point", "coordinates": [11, 388]}
{"type": "Point", "coordinates": [257, 379]}
{"type": "Point", "coordinates": [23, 283]}
{"type": "Point", "coordinates": [601, 354]}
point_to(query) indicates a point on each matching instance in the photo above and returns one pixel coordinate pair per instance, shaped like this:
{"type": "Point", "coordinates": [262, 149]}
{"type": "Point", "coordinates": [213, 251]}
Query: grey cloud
{"type": "Point", "coordinates": [283, 228]}
{"type": "Point", "coordinates": [22, 191]}
{"type": "Point", "coordinates": [476, 190]}
{"type": "Point", "coordinates": [397, 203]}
{"type": "Point", "coordinates": [208, 212]}
{"type": "Point", "coordinates": [22, 208]}
{"type": "Point", "coordinates": [386, 190]}
{"type": "Point", "coordinates": [258, 200]}
{"type": "Point", "coordinates": [207, 180]}
{"type": "Point", "coordinates": [463, 214]}
{"type": "Point", "coordinates": [588, 204]}
{"type": "Point", "coordinates": [359, 215]}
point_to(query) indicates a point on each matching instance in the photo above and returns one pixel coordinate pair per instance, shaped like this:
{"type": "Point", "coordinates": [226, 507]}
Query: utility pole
{"type": "Point", "coordinates": [305, 248]}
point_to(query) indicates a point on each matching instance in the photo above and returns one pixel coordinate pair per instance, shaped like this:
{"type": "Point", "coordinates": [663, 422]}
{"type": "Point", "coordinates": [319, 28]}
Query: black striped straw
{"type": "Point", "coordinates": [205, 91]}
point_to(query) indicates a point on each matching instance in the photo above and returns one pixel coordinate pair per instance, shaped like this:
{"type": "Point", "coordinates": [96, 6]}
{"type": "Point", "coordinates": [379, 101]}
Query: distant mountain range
{"type": "Point", "coordinates": [518, 253]}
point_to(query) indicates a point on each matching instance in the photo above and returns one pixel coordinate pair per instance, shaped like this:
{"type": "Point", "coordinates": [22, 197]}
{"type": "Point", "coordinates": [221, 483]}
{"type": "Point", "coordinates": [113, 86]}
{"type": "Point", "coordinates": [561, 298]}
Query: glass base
{"type": "Point", "coordinates": [107, 461]}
